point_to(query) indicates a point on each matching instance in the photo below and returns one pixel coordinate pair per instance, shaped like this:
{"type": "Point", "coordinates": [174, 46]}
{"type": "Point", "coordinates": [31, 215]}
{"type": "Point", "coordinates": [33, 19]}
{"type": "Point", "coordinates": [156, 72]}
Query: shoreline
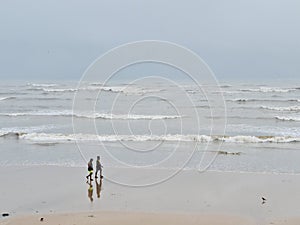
{"type": "Point", "coordinates": [58, 192]}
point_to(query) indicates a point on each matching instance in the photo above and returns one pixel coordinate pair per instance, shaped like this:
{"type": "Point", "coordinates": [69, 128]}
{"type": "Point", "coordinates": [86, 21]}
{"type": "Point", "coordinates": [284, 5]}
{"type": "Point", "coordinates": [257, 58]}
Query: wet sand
{"type": "Point", "coordinates": [61, 196]}
{"type": "Point", "coordinates": [132, 218]}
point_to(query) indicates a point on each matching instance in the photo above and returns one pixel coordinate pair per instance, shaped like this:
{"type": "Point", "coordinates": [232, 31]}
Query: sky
{"type": "Point", "coordinates": [238, 39]}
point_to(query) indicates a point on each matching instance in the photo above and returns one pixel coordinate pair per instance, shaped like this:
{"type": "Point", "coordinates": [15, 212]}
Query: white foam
{"type": "Point", "coordinates": [111, 138]}
{"type": "Point", "coordinates": [114, 89]}
{"type": "Point", "coordinates": [42, 85]}
{"type": "Point", "coordinates": [288, 108]}
{"type": "Point", "coordinates": [259, 139]}
{"type": "Point", "coordinates": [108, 116]}
{"type": "Point", "coordinates": [59, 89]}
{"type": "Point", "coordinates": [226, 92]}
{"type": "Point", "coordinates": [288, 118]}
{"type": "Point", "coordinates": [269, 89]}
{"type": "Point", "coordinates": [62, 138]}
{"type": "Point", "coordinates": [39, 113]}
{"type": "Point", "coordinates": [135, 117]}
{"type": "Point", "coordinates": [129, 89]}
{"type": "Point", "coordinates": [121, 89]}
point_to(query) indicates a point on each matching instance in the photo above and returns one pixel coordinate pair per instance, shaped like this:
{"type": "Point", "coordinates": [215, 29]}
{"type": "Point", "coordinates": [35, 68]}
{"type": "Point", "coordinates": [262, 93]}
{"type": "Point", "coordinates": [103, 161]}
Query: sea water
{"type": "Point", "coordinates": [157, 125]}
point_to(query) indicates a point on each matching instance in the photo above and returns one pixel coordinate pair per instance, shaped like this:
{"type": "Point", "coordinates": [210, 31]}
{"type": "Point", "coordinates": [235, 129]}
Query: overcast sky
{"type": "Point", "coordinates": [57, 39]}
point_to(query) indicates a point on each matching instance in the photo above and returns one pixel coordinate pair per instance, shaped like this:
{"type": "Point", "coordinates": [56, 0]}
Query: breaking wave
{"type": "Point", "coordinates": [108, 116]}
{"type": "Point", "coordinates": [288, 108]}
{"type": "Point", "coordinates": [285, 118]}
{"type": "Point", "coordinates": [113, 89]}
{"type": "Point", "coordinates": [269, 89]}
{"type": "Point", "coordinates": [59, 89]}
{"type": "Point", "coordinates": [42, 85]}
{"type": "Point", "coordinates": [65, 138]}
{"type": "Point", "coordinates": [121, 89]}
{"type": "Point", "coordinates": [51, 90]}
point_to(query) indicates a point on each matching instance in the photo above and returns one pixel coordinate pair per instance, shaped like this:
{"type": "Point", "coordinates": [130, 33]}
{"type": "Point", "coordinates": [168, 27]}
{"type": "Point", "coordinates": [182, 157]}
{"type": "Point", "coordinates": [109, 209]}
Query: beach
{"type": "Point", "coordinates": [60, 196]}
{"type": "Point", "coordinates": [188, 111]}
{"type": "Point", "coordinates": [115, 218]}
{"type": "Point", "coordinates": [162, 164]}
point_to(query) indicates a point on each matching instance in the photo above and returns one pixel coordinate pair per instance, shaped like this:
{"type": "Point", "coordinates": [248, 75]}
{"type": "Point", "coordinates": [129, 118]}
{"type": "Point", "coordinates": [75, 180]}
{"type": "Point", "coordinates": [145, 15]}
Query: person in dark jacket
{"type": "Point", "coordinates": [90, 170]}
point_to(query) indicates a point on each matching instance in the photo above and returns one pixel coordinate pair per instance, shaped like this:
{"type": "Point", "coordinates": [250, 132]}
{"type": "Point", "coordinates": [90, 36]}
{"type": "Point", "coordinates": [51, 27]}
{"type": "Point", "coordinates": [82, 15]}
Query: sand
{"type": "Point", "coordinates": [60, 195]}
{"type": "Point", "coordinates": [115, 218]}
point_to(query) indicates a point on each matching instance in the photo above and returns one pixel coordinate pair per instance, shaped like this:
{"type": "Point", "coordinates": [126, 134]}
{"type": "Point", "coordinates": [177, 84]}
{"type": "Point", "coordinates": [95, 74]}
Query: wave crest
{"type": "Point", "coordinates": [269, 89]}
{"type": "Point", "coordinates": [288, 108]}
{"type": "Point", "coordinates": [65, 138]}
{"type": "Point", "coordinates": [107, 116]}
{"type": "Point", "coordinates": [285, 118]}
{"type": "Point", "coordinates": [113, 89]}
{"type": "Point", "coordinates": [42, 85]}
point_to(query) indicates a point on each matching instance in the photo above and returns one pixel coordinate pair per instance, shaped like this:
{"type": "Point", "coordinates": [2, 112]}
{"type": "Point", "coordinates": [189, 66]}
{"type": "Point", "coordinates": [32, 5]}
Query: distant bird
{"type": "Point", "coordinates": [42, 219]}
{"type": "Point", "coordinates": [263, 200]}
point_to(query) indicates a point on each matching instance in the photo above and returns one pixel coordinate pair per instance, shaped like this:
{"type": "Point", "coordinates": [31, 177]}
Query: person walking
{"type": "Point", "coordinates": [90, 170]}
{"type": "Point", "coordinates": [98, 168]}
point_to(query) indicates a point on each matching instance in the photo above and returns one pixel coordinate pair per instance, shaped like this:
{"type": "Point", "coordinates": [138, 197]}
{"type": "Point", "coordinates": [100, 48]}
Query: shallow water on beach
{"type": "Point", "coordinates": [154, 125]}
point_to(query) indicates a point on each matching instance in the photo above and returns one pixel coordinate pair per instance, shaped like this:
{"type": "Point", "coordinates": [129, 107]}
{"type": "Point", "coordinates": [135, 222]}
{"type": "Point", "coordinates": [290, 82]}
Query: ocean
{"type": "Point", "coordinates": [158, 125]}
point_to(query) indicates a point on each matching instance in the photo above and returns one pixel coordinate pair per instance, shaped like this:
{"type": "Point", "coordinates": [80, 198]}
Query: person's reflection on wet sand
{"type": "Point", "coordinates": [90, 190]}
{"type": "Point", "coordinates": [98, 187]}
